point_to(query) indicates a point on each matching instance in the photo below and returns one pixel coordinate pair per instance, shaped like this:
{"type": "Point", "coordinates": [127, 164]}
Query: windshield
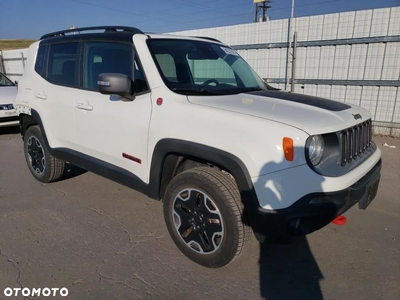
{"type": "Point", "coordinates": [198, 67]}
{"type": "Point", "coordinates": [4, 81]}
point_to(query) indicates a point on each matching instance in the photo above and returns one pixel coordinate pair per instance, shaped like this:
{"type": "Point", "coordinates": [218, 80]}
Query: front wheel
{"type": "Point", "coordinates": [43, 166]}
{"type": "Point", "coordinates": [203, 214]}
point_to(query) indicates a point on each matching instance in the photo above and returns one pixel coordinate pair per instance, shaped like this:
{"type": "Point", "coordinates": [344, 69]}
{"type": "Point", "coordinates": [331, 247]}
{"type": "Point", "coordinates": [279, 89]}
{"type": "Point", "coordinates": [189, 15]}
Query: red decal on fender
{"type": "Point", "coordinates": [131, 157]}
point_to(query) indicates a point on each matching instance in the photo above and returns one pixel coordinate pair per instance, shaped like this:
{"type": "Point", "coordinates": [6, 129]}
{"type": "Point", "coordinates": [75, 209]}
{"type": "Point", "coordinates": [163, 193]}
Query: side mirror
{"type": "Point", "coordinates": [115, 84]}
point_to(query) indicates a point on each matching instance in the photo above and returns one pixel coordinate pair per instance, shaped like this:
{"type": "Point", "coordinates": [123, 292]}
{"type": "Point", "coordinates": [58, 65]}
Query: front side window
{"type": "Point", "coordinates": [105, 57]}
{"type": "Point", "coordinates": [200, 67]}
{"type": "Point", "coordinates": [62, 65]}
{"type": "Point", "coordinates": [111, 57]}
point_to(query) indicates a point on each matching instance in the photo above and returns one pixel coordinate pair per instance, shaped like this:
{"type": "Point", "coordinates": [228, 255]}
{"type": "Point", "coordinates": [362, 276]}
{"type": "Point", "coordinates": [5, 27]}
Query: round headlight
{"type": "Point", "coordinates": [316, 147]}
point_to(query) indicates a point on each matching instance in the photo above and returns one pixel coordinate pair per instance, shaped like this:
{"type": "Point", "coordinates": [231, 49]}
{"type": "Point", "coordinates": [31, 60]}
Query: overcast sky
{"type": "Point", "coordinates": [32, 18]}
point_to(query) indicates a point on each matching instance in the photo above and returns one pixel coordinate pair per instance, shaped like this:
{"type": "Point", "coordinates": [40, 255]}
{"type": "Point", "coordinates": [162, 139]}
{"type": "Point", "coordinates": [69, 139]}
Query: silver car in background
{"type": "Point", "coordinates": [8, 91]}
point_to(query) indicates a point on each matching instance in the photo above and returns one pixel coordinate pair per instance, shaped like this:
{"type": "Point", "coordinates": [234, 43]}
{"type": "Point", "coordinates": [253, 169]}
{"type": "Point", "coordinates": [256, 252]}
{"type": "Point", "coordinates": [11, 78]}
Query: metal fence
{"type": "Point", "coordinates": [352, 57]}
{"type": "Point", "coordinates": [12, 62]}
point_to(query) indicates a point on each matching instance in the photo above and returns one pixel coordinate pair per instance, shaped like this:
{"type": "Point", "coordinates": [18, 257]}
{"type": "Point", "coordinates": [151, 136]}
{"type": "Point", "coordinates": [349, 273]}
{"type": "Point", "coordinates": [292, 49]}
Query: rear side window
{"type": "Point", "coordinates": [40, 64]}
{"type": "Point", "coordinates": [62, 66]}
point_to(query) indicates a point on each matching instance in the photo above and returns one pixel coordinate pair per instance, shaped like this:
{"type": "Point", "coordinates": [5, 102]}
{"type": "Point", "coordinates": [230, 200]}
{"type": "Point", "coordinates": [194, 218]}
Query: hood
{"type": "Point", "coordinates": [311, 114]}
{"type": "Point", "coordinates": [7, 94]}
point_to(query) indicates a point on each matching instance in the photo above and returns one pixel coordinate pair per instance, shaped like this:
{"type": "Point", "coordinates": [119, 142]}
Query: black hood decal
{"type": "Point", "coordinates": [304, 99]}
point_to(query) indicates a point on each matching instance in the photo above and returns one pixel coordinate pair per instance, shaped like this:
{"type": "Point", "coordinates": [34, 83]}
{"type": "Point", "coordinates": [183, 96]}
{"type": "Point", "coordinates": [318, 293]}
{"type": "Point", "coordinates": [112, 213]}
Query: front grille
{"type": "Point", "coordinates": [355, 141]}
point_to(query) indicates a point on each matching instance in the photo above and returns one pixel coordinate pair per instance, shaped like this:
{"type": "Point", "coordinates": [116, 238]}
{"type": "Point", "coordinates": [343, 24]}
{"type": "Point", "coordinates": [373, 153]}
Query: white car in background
{"type": "Point", "coordinates": [8, 91]}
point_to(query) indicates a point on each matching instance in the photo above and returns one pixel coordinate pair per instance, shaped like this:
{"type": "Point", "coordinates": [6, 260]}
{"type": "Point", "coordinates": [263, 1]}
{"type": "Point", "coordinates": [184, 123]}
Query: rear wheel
{"type": "Point", "coordinates": [43, 166]}
{"type": "Point", "coordinates": [203, 214]}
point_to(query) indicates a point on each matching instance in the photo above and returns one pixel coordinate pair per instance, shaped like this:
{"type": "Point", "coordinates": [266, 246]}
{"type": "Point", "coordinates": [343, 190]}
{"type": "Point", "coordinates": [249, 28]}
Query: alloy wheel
{"type": "Point", "coordinates": [36, 155]}
{"type": "Point", "coordinates": [198, 221]}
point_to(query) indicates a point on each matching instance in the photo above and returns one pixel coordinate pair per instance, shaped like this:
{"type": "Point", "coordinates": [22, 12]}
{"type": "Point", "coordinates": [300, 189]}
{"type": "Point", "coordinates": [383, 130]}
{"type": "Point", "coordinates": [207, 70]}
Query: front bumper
{"type": "Point", "coordinates": [314, 211]}
{"type": "Point", "coordinates": [9, 118]}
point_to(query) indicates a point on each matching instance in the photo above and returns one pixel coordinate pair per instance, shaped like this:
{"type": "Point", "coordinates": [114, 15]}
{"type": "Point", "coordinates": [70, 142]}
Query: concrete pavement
{"type": "Point", "coordinates": [102, 240]}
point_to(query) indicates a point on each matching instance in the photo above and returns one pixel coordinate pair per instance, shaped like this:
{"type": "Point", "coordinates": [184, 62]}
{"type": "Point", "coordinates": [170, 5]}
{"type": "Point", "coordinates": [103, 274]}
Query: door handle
{"type": "Point", "coordinates": [84, 106]}
{"type": "Point", "coordinates": [40, 96]}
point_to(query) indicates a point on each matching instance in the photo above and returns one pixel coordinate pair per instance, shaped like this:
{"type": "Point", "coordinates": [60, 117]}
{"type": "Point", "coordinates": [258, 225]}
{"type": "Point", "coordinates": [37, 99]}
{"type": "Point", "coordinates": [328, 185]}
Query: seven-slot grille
{"type": "Point", "coordinates": [355, 140]}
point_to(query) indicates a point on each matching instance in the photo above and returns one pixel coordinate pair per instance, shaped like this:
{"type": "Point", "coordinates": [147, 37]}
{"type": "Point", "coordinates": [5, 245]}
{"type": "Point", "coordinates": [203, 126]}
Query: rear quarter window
{"type": "Point", "coordinates": [40, 64]}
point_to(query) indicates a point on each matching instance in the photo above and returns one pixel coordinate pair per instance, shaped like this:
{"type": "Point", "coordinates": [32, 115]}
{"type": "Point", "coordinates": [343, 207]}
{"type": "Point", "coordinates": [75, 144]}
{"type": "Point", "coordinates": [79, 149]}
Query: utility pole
{"type": "Point", "coordinates": [261, 4]}
{"type": "Point", "coordinates": [289, 45]}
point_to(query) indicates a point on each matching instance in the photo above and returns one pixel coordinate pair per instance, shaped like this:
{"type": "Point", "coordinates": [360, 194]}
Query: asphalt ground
{"type": "Point", "coordinates": [102, 240]}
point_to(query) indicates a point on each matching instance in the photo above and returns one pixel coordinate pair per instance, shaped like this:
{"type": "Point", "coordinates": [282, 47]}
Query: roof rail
{"type": "Point", "coordinates": [105, 28]}
{"type": "Point", "coordinates": [207, 38]}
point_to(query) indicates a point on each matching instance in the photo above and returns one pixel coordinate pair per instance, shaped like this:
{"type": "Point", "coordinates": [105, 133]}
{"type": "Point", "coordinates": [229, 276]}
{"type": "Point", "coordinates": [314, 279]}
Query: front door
{"type": "Point", "coordinates": [112, 131]}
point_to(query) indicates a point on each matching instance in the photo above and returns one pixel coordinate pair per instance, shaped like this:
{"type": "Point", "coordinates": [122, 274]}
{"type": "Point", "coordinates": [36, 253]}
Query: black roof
{"type": "Point", "coordinates": [92, 32]}
{"type": "Point", "coordinates": [97, 33]}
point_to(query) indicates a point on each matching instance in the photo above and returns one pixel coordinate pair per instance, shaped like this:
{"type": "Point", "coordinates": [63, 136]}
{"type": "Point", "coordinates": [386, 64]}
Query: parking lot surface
{"type": "Point", "coordinates": [102, 240]}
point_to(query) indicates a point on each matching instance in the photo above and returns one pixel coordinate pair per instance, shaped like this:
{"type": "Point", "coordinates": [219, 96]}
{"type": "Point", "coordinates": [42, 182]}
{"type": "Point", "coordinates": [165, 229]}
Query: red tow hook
{"type": "Point", "coordinates": [340, 220]}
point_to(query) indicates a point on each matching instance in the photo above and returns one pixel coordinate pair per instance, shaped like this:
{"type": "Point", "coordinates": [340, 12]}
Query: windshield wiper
{"type": "Point", "coordinates": [249, 89]}
{"type": "Point", "coordinates": [189, 91]}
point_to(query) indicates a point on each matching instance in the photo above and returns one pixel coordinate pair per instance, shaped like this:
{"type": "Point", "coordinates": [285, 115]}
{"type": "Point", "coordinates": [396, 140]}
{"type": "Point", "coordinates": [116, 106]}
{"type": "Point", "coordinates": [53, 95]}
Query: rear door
{"type": "Point", "coordinates": [56, 92]}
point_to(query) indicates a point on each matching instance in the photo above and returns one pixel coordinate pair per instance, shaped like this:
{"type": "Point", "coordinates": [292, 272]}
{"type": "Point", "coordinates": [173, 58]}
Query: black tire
{"type": "Point", "coordinates": [189, 218]}
{"type": "Point", "coordinates": [43, 166]}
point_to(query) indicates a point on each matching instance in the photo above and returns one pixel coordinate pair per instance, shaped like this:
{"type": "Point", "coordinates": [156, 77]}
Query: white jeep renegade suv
{"type": "Point", "coordinates": [186, 120]}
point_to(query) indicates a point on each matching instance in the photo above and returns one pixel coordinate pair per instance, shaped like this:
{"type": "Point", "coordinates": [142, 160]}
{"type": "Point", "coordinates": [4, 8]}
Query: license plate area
{"type": "Point", "coordinates": [371, 191]}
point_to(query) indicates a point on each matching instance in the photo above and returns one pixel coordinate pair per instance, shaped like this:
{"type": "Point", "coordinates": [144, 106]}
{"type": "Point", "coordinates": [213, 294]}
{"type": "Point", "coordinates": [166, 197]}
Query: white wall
{"type": "Point", "coordinates": [372, 61]}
